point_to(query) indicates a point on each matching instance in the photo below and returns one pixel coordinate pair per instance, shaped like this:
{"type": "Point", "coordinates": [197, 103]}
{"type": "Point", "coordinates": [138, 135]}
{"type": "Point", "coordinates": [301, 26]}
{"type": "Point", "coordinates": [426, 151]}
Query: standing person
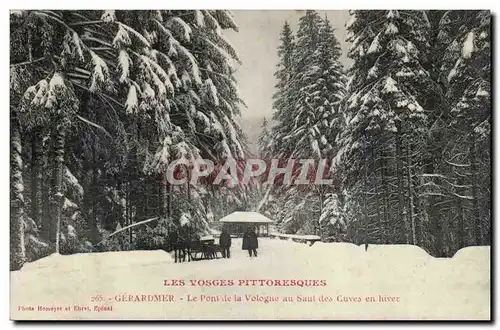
{"type": "Point", "coordinates": [250, 242]}
{"type": "Point", "coordinates": [225, 243]}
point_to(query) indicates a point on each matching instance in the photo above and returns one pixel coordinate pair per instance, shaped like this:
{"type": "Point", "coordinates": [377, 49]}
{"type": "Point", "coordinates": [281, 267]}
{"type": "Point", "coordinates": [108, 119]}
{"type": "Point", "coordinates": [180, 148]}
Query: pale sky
{"type": "Point", "coordinates": [256, 44]}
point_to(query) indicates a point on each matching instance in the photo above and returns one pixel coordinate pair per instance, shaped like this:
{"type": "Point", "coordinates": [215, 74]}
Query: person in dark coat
{"type": "Point", "coordinates": [250, 242]}
{"type": "Point", "coordinates": [225, 243]}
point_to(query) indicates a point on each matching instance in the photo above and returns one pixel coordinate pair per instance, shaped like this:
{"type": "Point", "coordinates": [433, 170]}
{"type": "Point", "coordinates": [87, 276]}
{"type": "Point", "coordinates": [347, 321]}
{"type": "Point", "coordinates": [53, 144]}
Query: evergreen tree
{"type": "Point", "coordinates": [386, 121]}
{"type": "Point", "coordinates": [265, 140]}
{"type": "Point", "coordinates": [124, 93]}
{"type": "Point", "coordinates": [468, 94]}
{"type": "Point", "coordinates": [17, 213]}
{"type": "Point", "coordinates": [307, 111]}
{"type": "Point", "coordinates": [281, 98]}
{"type": "Point", "coordinates": [407, 151]}
{"type": "Point", "coordinates": [311, 86]}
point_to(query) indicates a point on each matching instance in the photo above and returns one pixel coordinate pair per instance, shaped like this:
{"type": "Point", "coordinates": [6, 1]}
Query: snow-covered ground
{"type": "Point", "coordinates": [298, 237]}
{"type": "Point", "coordinates": [412, 284]}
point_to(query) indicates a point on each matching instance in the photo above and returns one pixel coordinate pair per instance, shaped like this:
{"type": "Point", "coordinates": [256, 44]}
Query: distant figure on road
{"type": "Point", "coordinates": [225, 243]}
{"type": "Point", "coordinates": [250, 242]}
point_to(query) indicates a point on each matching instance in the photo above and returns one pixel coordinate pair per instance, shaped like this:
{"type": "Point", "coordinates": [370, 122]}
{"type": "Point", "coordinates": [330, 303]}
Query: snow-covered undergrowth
{"type": "Point", "coordinates": [427, 287]}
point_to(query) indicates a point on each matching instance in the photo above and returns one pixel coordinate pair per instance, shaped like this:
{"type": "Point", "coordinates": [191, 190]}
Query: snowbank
{"type": "Point", "coordinates": [472, 263]}
{"type": "Point", "coordinates": [426, 287]}
{"type": "Point", "coordinates": [304, 237]}
{"type": "Point", "coordinates": [390, 252]}
{"type": "Point", "coordinates": [338, 250]}
{"type": "Point", "coordinates": [109, 260]}
{"type": "Point", "coordinates": [473, 253]}
{"type": "Point", "coordinates": [390, 257]}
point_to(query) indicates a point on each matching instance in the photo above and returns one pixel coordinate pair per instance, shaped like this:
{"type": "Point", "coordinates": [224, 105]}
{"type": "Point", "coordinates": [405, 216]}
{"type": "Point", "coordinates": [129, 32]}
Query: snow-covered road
{"type": "Point", "coordinates": [385, 282]}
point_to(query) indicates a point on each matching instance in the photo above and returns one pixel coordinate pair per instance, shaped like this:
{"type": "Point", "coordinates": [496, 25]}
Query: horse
{"type": "Point", "coordinates": [180, 245]}
{"type": "Point", "coordinates": [183, 241]}
{"type": "Point", "coordinates": [209, 251]}
{"type": "Point", "coordinates": [187, 245]}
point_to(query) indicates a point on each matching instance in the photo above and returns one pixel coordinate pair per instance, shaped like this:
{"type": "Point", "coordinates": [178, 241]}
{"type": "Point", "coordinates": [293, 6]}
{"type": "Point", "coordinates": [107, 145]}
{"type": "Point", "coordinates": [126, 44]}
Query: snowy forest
{"type": "Point", "coordinates": [406, 128]}
{"type": "Point", "coordinates": [102, 101]}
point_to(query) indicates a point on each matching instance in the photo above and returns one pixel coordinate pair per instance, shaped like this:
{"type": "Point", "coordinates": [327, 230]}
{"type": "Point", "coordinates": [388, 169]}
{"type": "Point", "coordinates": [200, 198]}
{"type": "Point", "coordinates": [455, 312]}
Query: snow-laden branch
{"type": "Point", "coordinates": [27, 62]}
{"type": "Point", "coordinates": [93, 124]}
{"type": "Point", "coordinates": [128, 227]}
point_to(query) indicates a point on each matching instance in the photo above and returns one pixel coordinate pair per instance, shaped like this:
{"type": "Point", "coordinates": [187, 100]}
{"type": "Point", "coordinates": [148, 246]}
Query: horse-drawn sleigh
{"type": "Point", "coordinates": [189, 247]}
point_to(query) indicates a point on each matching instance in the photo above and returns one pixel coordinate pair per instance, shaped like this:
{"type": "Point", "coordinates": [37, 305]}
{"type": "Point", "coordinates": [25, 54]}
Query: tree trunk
{"type": "Point", "coordinates": [475, 205]}
{"type": "Point", "coordinates": [434, 166]}
{"type": "Point", "coordinates": [46, 186]}
{"type": "Point", "coordinates": [375, 186]}
{"type": "Point", "coordinates": [436, 226]}
{"type": "Point", "coordinates": [119, 190]}
{"type": "Point", "coordinates": [129, 213]}
{"type": "Point", "coordinates": [146, 197]}
{"type": "Point", "coordinates": [321, 197]}
{"type": "Point", "coordinates": [385, 189]}
{"type": "Point", "coordinates": [169, 200]}
{"type": "Point", "coordinates": [410, 197]}
{"type": "Point", "coordinates": [188, 184]}
{"type": "Point", "coordinates": [165, 196]}
{"type": "Point", "coordinates": [365, 211]}
{"type": "Point", "coordinates": [58, 197]}
{"type": "Point", "coordinates": [36, 177]}
{"type": "Point", "coordinates": [460, 225]}
{"type": "Point", "coordinates": [159, 195]}
{"type": "Point", "coordinates": [94, 188]}
{"type": "Point", "coordinates": [17, 215]}
{"type": "Point", "coordinates": [399, 170]}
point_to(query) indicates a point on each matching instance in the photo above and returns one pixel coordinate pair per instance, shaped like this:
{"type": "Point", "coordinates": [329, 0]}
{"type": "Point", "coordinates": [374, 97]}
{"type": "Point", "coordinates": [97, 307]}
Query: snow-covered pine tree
{"type": "Point", "coordinates": [217, 131]}
{"type": "Point", "coordinates": [308, 111]}
{"type": "Point", "coordinates": [201, 114]}
{"type": "Point", "coordinates": [332, 88]}
{"type": "Point", "coordinates": [265, 140]}
{"type": "Point", "coordinates": [311, 86]}
{"type": "Point", "coordinates": [469, 97]}
{"type": "Point", "coordinates": [332, 84]}
{"type": "Point", "coordinates": [58, 52]}
{"type": "Point", "coordinates": [281, 99]}
{"type": "Point", "coordinates": [136, 81]}
{"type": "Point", "coordinates": [213, 110]}
{"type": "Point", "coordinates": [447, 186]}
{"type": "Point", "coordinates": [385, 117]}
{"type": "Point", "coordinates": [17, 212]}
{"type": "Point", "coordinates": [319, 82]}
{"type": "Point", "coordinates": [206, 103]}
{"type": "Point", "coordinates": [432, 187]}
{"type": "Point", "coordinates": [155, 64]}
{"type": "Point", "coordinates": [296, 131]}
{"type": "Point", "coordinates": [271, 144]}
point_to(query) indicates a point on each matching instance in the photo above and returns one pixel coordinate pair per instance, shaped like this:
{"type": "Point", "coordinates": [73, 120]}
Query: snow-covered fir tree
{"type": "Point", "coordinates": [386, 121]}
{"type": "Point", "coordinates": [102, 101]}
{"type": "Point", "coordinates": [281, 97]}
{"type": "Point", "coordinates": [467, 158]}
{"type": "Point", "coordinates": [107, 99]}
{"type": "Point", "coordinates": [265, 140]}
{"type": "Point", "coordinates": [311, 86]}
{"type": "Point", "coordinates": [307, 111]}
{"type": "Point", "coordinates": [403, 178]}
